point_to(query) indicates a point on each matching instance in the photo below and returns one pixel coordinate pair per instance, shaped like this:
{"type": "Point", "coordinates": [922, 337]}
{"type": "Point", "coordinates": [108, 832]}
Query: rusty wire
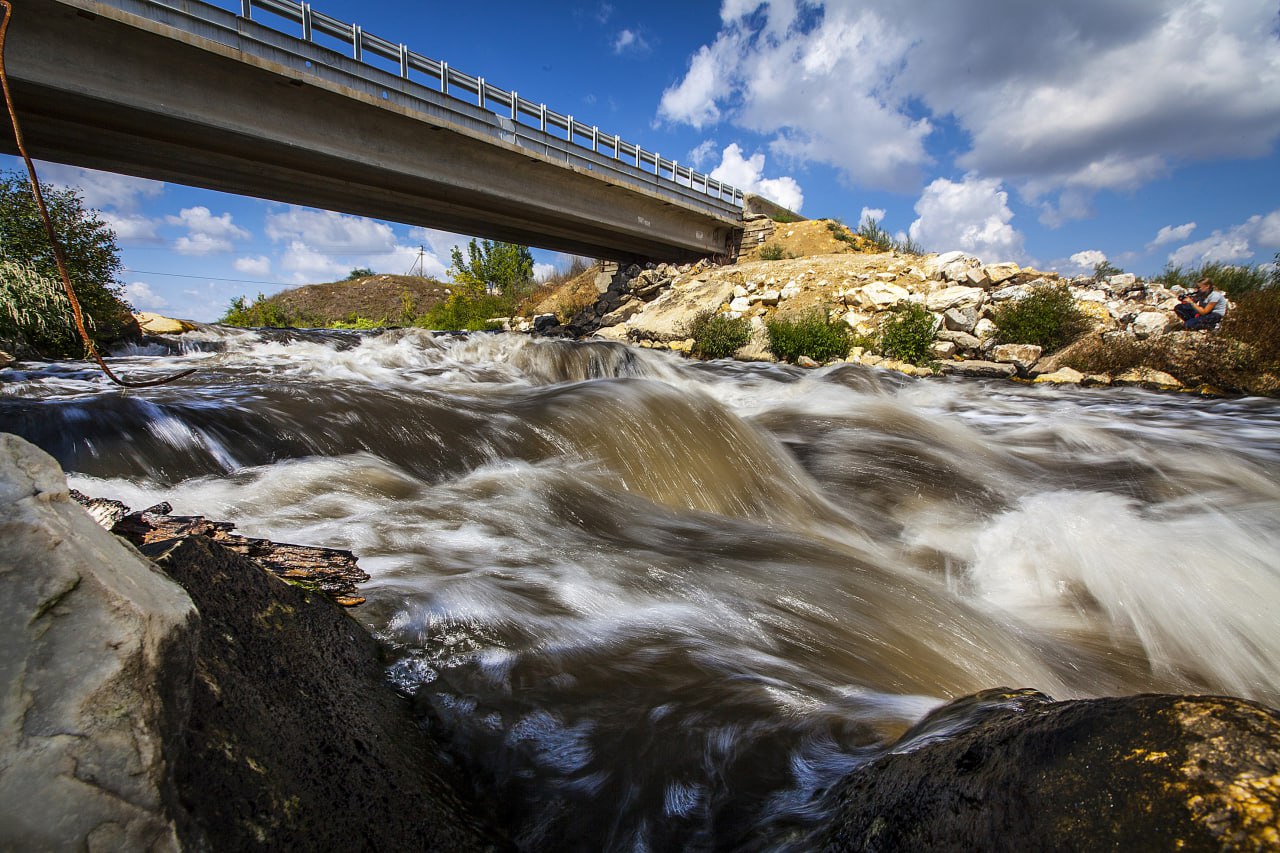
{"type": "Point", "coordinates": [50, 231]}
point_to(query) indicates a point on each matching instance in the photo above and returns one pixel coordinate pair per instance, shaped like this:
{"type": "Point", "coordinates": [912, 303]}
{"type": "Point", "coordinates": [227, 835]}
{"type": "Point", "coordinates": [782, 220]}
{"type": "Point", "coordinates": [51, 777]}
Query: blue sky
{"type": "Point", "coordinates": [1056, 134]}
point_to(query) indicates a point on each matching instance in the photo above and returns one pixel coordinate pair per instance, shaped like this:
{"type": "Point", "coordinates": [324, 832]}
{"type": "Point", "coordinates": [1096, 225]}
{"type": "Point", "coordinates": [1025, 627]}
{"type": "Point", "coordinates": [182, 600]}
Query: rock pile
{"type": "Point", "coordinates": [653, 306]}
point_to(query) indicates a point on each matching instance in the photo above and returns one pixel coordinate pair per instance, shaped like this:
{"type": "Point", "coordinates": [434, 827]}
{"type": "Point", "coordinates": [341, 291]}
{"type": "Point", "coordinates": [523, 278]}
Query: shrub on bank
{"type": "Point", "coordinates": [1047, 317]}
{"type": "Point", "coordinates": [771, 252]}
{"type": "Point", "coordinates": [908, 333]}
{"type": "Point", "coordinates": [35, 313]}
{"type": "Point", "coordinates": [41, 320]}
{"type": "Point", "coordinates": [1242, 356]}
{"type": "Point", "coordinates": [812, 335]}
{"type": "Point", "coordinates": [466, 312]}
{"type": "Point", "coordinates": [262, 312]}
{"type": "Point", "coordinates": [718, 335]}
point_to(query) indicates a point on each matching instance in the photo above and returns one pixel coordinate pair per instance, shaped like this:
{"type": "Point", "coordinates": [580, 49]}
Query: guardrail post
{"type": "Point", "coordinates": [246, 9]}
{"type": "Point", "coordinates": [306, 22]}
{"type": "Point", "coordinates": [515, 105]}
{"type": "Point", "coordinates": [569, 132]}
{"type": "Point", "coordinates": [404, 61]}
{"type": "Point", "coordinates": [480, 92]}
{"type": "Point", "coordinates": [542, 117]}
{"type": "Point", "coordinates": [595, 139]}
{"type": "Point", "coordinates": [357, 48]}
{"type": "Point", "coordinates": [444, 77]}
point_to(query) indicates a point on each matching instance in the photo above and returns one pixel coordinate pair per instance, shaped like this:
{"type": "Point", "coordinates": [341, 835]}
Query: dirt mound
{"type": "Point", "coordinates": [568, 298]}
{"type": "Point", "coordinates": [393, 299]}
{"type": "Point", "coordinates": [810, 237]}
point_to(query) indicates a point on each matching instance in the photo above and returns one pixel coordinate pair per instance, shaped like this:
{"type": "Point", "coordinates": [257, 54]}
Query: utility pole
{"type": "Point", "coordinates": [419, 264]}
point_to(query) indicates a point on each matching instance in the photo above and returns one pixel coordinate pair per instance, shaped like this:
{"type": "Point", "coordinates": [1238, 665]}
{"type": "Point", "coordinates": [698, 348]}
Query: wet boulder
{"type": "Point", "coordinates": [1014, 770]}
{"type": "Point", "coordinates": [295, 740]}
{"type": "Point", "coordinates": [96, 671]}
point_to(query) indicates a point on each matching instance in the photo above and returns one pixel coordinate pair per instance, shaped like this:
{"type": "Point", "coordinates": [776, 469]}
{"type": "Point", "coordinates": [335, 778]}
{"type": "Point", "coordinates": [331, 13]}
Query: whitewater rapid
{"type": "Point", "coordinates": [648, 600]}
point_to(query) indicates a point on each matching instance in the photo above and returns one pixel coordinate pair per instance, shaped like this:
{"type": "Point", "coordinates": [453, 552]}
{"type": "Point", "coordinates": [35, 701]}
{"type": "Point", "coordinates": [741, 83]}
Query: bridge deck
{"type": "Point", "coordinates": [199, 96]}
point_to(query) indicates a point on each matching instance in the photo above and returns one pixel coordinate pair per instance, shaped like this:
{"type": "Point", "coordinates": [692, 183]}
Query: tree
{"type": "Point", "coordinates": [89, 248]}
{"type": "Point", "coordinates": [1105, 269]}
{"type": "Point", "coordinates": [493, 268]}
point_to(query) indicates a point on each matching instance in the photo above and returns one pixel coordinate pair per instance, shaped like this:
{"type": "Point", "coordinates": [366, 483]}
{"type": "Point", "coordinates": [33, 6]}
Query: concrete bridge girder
{"type": "Point", "coordinates": [227, 104]}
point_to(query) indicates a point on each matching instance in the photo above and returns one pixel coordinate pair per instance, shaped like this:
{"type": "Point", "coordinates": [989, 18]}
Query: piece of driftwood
{"type": "Point", "coordinates": [332, 571]}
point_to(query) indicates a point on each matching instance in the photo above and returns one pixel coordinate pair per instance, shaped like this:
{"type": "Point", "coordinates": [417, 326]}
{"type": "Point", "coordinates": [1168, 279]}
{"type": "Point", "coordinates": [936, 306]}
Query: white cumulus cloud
{"type": "Point", "coordinates": [131, 227]}
{"type": "Point", "coordinates": [332, 232]}
{"type": "Point", "coordinates": [747, 174]}
{"type": "Point", "coordinates": [143, 298]}
{"type": "Point", "coordinates": [1172, 234]}
{"type": "Point", "coordinates": [971, 215]}
{"type": "Point", "coordinates": [870, 213]}
{"type": "Point", "coordinates": [257, 265]}
{"type": "Point", "coordinates": [1082, 262]}
{"type": "Point", "coordinates": [206, 234]}
{"type": "Point", "coordinates": [1079, 97]}
{"type": "Point", "coordinates": [1232, 245]}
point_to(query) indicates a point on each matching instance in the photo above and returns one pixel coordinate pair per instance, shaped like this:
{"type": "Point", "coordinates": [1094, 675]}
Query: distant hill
{"type": "Point", "coordinates": [390, 299]}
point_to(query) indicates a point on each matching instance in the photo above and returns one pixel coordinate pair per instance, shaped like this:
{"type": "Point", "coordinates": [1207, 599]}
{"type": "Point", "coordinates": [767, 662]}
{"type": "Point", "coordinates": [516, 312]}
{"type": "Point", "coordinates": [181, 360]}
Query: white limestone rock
{"type": "Point", "coordinates": [1061, 376]}
{"type": "Point", "coordinates": [1014, 291]}
{"type": "Point", "coordinates": [1150, 324]}
{"type": "Point", "coordinates": [960, 319]}
{"type": "Point", "coordinates": [1000, 273]}
{"type": "Point", "coordinates": [1023, 355]}
{"type": "Point", "coordinates": [944, 349]}
{"type": "Point", "coordinates": [1146, 377]}
{"type": "Point", "coordinates": [934, 267]}
{"type": "Point", "coordinates": [985, 329]}
{"type": "Point", "coordinates": [156, 324]}
{"type": "Point", "coordinates": [880, 295]}
{"type": "Point", "coordinates": [956, 296]}
{"type": "Point", "coordinates": [99, 650]}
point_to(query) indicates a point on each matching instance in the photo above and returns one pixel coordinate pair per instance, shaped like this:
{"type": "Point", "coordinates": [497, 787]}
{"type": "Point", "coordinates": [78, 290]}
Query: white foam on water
{"type": "Point", "coordinates": [1199, 589]}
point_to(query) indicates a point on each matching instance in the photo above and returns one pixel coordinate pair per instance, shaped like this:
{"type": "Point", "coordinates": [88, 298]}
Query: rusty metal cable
{"type": "Point", "coordinates": [58, 258]}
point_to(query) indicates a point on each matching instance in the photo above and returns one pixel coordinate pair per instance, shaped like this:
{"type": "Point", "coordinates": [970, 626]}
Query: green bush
{"type": "Point", "coordinates": [718, 335]}
{"type": "Point", "coordinates": [1047, 317]}
{"type": "Point", "coordinates": [92, 260]}
{"type": "Point", "coordinates": [771, 252]}
{"type": "Point", "coordinates": [466, 312]}
{"type": "Point", "coordinates": [35, 313]}
{"type": "Point", "coordinates": [811, 335]}
{"type": "Point", "coordinates": [1104, 270]}
{"type": "Point", "coordinates": [261, 313]}
{"type": "Point", "coordinates": [907, 334]}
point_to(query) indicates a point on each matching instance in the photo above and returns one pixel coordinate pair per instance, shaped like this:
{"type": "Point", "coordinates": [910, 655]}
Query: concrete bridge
{"type": "Point", "coordinates": [182, 91]}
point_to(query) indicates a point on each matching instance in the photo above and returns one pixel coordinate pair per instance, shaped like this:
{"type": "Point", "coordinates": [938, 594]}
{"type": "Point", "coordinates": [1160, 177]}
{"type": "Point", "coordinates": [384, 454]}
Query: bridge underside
{"type": "Point", "coordinates": [99, 88]}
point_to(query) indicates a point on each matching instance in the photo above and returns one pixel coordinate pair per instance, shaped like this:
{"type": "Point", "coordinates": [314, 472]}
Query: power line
{"type": "Point", "coordinates": [201, 277]}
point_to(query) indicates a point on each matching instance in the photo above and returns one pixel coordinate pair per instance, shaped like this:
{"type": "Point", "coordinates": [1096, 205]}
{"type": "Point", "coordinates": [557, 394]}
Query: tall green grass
{"type": "Point", "coordinates": [35, 313]}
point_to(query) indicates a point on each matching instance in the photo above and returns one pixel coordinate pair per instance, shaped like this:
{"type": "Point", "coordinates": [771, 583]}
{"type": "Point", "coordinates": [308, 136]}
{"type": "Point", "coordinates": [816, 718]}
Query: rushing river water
{"type": "Point", "coordinates": [657, 603]}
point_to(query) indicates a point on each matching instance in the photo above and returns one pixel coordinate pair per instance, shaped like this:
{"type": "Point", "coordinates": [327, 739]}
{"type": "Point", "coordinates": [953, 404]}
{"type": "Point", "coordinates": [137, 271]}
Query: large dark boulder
{"type": "Point", "coordinates": [1013, 770]}
{"type": "Point", "coordinates": [295, 741]}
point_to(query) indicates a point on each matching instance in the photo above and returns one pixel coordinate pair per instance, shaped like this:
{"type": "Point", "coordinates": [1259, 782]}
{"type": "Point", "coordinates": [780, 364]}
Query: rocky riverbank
{"type": "Point", "coordinates": [654, 307]}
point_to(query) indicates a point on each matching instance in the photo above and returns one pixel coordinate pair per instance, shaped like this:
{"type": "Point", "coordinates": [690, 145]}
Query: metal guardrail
{"type": "Point", "coordinates": [487, 96]}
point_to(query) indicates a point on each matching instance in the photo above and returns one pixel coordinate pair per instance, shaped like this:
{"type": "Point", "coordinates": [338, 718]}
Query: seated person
{"type": "Point", "coordinates": [1203, 308]}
